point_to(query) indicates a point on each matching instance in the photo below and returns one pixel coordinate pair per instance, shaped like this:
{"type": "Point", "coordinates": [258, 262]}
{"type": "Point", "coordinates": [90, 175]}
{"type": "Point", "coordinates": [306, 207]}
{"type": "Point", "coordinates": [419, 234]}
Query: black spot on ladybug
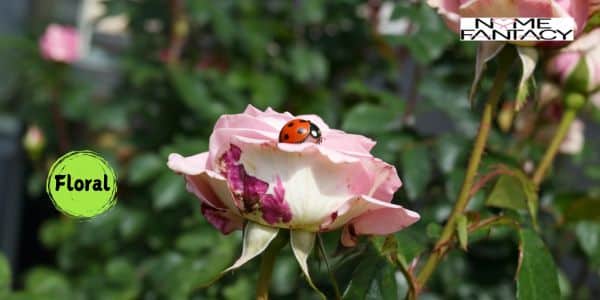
{"type": "Point", "coordinates": [286, 137]}
{"type": "Point", "coordinates": [290, 124]}
{"type": "Point", "coordinates": [303, 121]}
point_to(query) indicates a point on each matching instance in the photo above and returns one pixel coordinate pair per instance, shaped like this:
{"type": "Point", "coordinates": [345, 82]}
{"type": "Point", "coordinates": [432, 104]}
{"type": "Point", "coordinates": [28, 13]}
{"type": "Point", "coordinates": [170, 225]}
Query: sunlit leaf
{"type": "Point", "coordinates": [368, 119]}
{"type": "Point", "coordinates": [536, 278]}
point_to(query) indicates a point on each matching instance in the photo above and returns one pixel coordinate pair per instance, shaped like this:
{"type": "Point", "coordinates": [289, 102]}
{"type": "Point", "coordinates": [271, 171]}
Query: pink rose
{"type": "Point", "coordinates": [453, 10]}
{"type": "Point", "coordinates": [60, 43]}
{"type": "Point", "coordinates": [586, 47]}
{"type": "Point", "coordinates": [248, 175]}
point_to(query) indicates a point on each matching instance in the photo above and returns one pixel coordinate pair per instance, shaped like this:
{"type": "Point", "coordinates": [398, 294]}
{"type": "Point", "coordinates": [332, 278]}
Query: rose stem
{"type": "Point", "coordinates": [504, 64]}
{"type": "Point", "coordinates": [565, 122]}
{"type": "Point", "coordinates": [266, 266]}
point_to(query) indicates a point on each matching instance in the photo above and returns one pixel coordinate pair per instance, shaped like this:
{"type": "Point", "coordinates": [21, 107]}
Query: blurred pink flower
{"type": "Point", "coordinates": [586, 47]}
{"type": "Point", "coordinates": [60, 43]}
{"type": "Point", "coordinates": [34, 141]}
{"type": "Point", "coordinates": [453, 10]}
{"type": "Point", "coordinates": [248, 175]}
{"type": "Point", "coordinates": [574, 140]}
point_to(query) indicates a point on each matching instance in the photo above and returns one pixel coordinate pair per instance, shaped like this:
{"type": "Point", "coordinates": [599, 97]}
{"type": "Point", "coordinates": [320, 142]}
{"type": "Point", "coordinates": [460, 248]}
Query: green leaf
{"type": "Point", "coordinates": [416, 170]}
{"type": "Point", "coordinates": [241, 289]}
{"type": "Point", "coordinates": [267, 90]}
{"type": "Point", "coordinates": [427, 41]}
{"type": "Point", "coordinates": [434, 230]}
{"type": "Point", "coordinates": [588, 236]}
{"type": "Point", "coordinates": [308, 65]}
{"type": "Point", "coordinates": [411, 243]}
{"type": "Point", "coordinates": [48, 283]}
{"type": "Point", "coordinates": [537, 278]}
{"type": "Point", "coordinates": [285, 268]}
{"type": "Point", "coordinates": [448, 150]}
{"type": "Point", "coordinates": [368, 119]}
{"type": "Point", "coordinates": [485, 53]}
{"type": "Point", "coordinates": [507, 193]}
{"type": "Point", "coordinates": [373, 278]}
{"type": "Point", "coordinates": [56, 231]}
{"type": "Point", "coordinates": [167, 190]}
{"type": "Point", "coordinates": [515, 191]}
{"type": "Point", "coordinates": [461, 231]}
{"type": "Point", "coordinates": [144, 167]}
{"type": "Point", "coordinates": [5, 275]}
{"type": "Point", "coordinates": [194, 94]}
{"type": "Point", "coordinates": [528, 57]}
{"type": "Point", "coordinates": [586, 208]}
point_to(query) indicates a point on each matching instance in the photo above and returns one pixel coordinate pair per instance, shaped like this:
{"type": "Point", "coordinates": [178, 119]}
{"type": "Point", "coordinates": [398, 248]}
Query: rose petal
{"type": "Point", "coordinates": [360, 211]}
{"type": "Point", "coordinates": [223, 220]}
{"type": "Point", "coordinates": [207, 185]}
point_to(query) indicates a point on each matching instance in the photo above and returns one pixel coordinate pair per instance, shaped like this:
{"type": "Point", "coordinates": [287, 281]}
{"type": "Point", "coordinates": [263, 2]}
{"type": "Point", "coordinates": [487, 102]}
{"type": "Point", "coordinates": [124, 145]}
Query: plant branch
{"type": "Point", "coordinates": [442, 244]}
{"type": "Point", "coordinates": [563, 128]}
{"type": "Point", "coordinates": [486, 178]}
{"type": "Point", "coordinates": [179, 30]}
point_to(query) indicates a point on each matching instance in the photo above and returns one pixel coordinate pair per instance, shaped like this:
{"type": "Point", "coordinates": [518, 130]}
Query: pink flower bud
{"type": "Point", "coordinates": [60, 43]}
{"type": "Point", "coordinates": [34, 142]}
{"type": "Point", "coordinates": [453, 10]}
{"type": "Point", "coordinates": [586, 48]}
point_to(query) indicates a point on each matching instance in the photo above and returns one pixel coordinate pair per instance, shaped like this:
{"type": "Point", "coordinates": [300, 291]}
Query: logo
{"type": "Point", "coordinates": [82, 184]}
{"type": "Point", "coordinates": [517, 29]}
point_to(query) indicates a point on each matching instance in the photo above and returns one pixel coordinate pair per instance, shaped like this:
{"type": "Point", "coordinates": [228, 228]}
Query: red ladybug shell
{"type": "Point", "coordinates": [298, 131]}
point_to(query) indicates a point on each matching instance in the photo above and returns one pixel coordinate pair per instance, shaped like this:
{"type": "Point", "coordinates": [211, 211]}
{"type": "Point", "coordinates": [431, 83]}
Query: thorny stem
{"type": "Point", "coordinates": [565, 122]}
{"type": "Point", "coordinates": [266, 266]}
{"type": "Point", "coordinates": [443, 242]}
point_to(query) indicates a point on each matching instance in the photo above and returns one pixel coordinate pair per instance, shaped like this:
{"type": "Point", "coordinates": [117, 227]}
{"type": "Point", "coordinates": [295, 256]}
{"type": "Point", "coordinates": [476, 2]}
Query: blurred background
{"type": "Point", "coordinates": [154, 75]}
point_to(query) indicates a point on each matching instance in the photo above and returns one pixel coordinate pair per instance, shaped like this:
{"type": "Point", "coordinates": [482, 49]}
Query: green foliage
{"type": "Point", "coordinates": [515, 191]}
{"type": "Point", "coordinates": [5, 276]}
{"type": "Point", "coordinates": [537, 277]}
{"type": "Point", "coordinates": [372, 279]}
{"type": "Point", "coordinates": [311, 56]}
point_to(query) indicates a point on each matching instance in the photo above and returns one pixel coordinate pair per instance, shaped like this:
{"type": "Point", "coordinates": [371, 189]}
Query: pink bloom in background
{"type": "Point", "coordinates": [60, 43]}
{"type": "Point", "coordinates": [248, 175]}
{"type": "Point", "coordinates": [453, 10]}
{"type": "Point", "coordinates": [574, 140]}
{"type": "Point", "coordinates": [586, 47]}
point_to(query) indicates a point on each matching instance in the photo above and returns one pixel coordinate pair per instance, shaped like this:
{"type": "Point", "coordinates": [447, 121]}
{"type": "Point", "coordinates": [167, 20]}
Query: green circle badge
{"type": "Point", "coordinates": [82, 184]}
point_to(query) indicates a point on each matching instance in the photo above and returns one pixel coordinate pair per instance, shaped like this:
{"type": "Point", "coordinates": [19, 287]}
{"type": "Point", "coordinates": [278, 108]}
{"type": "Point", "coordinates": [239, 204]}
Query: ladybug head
{"type": "Point", "coordinates": [315, 133]}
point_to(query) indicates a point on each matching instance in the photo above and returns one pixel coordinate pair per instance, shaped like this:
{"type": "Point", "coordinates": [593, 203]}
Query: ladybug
{"type": "Point", "coordinates": [299, 131]}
